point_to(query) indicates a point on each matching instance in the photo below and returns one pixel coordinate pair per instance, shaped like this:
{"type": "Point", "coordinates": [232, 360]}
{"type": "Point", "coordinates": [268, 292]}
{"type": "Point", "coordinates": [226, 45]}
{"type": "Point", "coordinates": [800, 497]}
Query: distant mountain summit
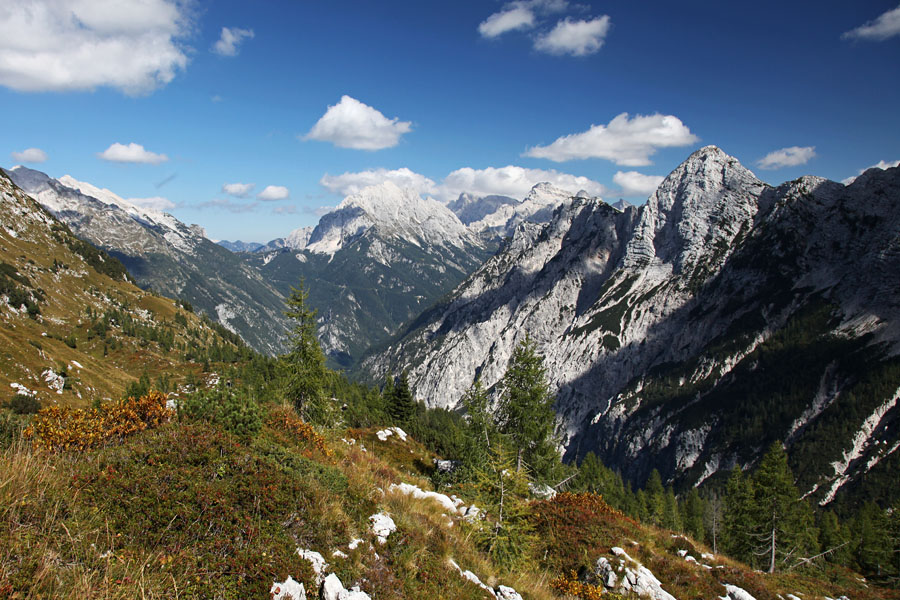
{"type": "Point", "coordinates": [376, 261]}
{"type": "Point", "coordinates": [496, 217]}
{"type": "Point", "coordinates": [689, 334]}
{"type": "Point", "coordinates": [166, 255]}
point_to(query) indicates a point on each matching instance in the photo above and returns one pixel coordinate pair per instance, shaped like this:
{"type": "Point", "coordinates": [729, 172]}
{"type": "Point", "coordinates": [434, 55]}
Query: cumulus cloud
{"type": "Point", "coordinates": [885, 26]}
{"type": "Point", "coordinates": [352, 124]}
{"type": "Point", "coordinates": [155, 203]}
{"type": "Point", "coordinates": [575, 37]}
{"type": "Point", "coordinates": [881, 164]}
{"type": "Point", "coordinates": [238, 190]}
{"type": "Point", "coordinates": [514, 16]}
{"type": "Point", "coordinates": [273, 192]}
{"type": "Point", "coordinates": [637, 184]}
{"type": "Point", "coordinates": [62, 45]}
{"type": "Point", "coordinates": [625, 141]}
{"type": "Point", "coordinates": [351, 183]}
{"type": "Point", "coordinates": [231, 38]}
{"type": "Point", "coordinates": [511, 181]}
{"type": "Point", "coordinates": [30, 155]}
{"type": "Point", "coordinates": [132, 153]}
{"type": "Point", "coordinates": [787, 157]}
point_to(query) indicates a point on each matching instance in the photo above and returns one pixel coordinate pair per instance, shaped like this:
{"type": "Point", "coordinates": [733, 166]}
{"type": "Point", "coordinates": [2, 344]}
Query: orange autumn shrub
{"type": "Point", "coordinates": [300, 429]}
{"type": "Point", "coordinates": [570, 586]}
{"type": "Point", "coordinates": [62, 428]}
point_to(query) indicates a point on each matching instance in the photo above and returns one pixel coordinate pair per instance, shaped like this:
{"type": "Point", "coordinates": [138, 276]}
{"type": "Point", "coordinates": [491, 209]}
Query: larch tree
{"type": "Point", "coordinates": [525, 412]}
{"type": "Point", "coordinates": [304, 365]}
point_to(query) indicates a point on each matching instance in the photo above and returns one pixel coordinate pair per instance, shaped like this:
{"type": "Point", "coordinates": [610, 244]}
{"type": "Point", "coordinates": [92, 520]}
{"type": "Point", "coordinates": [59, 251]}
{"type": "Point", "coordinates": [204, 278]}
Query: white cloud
{"type": "Point", "coordinates": [881, 164]}
{"type": "Point", "coordinates": [352, 183]}
{"type": "Point", "coordinates": [62, 45]}
{"type": "Point", "coordinates": [637, 184]}
{"type": "Point", "coordinates": [511, 181]}
{"type": "Point", "coordinates": [624, 141]}
{"type": "Point", "coordinates": [132, 153]}
{"type": "Point", "coordinates": [787, 157]}
{"type": "Point", "coordinates": [273, 192]}
{"type": "Point", "coordinates": [885, 26]}
{"type": "Point", "coordinates": [30, 155]}
{"type": "Point", "coordinates": [231, 38]}
{"type": "Point", "coordinates": [514, 16]}
{"type": "Point", "coordinates": [156, 203]}
{"type": "Point", "coordinates": [238, 190]}
{"type": "Point", "coordinates": [578, 38]}
{"type": "Point", "coordinates": [288, 209]}
{"type": "Point", "coordinates": [352, 124]}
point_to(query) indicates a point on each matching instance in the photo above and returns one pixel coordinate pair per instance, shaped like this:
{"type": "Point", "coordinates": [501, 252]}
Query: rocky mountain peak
{"type": "Point", "coordinates": [701, 206]}
{"type": "Point", "coordinates": [548, 194]}
{"type": "Point", "coordinates": [393, 212]}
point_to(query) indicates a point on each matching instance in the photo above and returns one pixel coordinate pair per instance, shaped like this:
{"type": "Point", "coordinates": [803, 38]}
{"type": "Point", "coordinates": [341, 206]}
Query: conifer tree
{"type": "Point", "coordinates": [693, 515]}
{"type": "Point", "coordinates": [480, 427]}
{"type": "Point", "coordinates": [656, 499]}
{"type": "Point", "coordinates": [738, 523]}
{"type": "Point", "coordinates": [782, 522]}
{"type": "Point", "coordinates": [401, 405]}
{"type": "Point", "coordinates": [506, 532]}
{"type": "Point", "coordinates": [525, 411]}
{"type": "Point", "coordinates": [304, 366]}
{"type": "Point", "coordinates": [834, 539]}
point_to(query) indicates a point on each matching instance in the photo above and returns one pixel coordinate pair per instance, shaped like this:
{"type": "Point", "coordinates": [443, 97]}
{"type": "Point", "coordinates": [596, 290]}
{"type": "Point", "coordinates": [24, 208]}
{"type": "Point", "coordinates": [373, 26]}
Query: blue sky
{"type": "Point", "coordinates": [309, 100]}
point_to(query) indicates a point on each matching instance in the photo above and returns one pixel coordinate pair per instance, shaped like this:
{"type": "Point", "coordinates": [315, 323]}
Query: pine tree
{"type": "Point", "coordinates": [480, 427]}
{"type": "Point", "coordinates": [834, 539]}
{"type": "Point", "coordinates": [304, 372]}
{"type": "Point", "coordinates": [525, 412]}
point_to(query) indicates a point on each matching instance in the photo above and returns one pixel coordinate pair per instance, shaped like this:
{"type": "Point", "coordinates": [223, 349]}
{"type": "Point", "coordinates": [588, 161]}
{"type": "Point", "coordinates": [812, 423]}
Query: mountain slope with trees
{"type": "Point", "coordinates": [690, 334]}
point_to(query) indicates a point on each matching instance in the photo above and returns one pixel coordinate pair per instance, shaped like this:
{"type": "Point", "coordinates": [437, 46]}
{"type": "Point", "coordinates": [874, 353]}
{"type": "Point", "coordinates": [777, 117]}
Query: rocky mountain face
{"type": "Point", "coordinates": [689, 334]}
{"type": "Point", "coordinates": [166, 255]}
{"type": "Point", "coordinates": [240, 246]}
{"type": "Point", "coordinates": [496, 217]}
{"type": "Point", "coordinates": [372, 264]}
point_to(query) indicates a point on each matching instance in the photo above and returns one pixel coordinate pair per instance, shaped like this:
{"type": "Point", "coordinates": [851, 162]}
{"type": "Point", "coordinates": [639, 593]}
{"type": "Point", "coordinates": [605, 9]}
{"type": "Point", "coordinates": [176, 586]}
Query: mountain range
{"type": "Point", "coordinates": [690, 333]}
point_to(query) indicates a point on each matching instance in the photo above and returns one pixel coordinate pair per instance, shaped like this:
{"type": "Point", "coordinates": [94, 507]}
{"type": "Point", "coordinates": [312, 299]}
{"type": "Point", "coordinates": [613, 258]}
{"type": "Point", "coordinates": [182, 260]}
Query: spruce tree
{"type": "Point", "coordinates": [782, 522]}
{"type": "Point", "coordinates": [738, 517]}
{"type": "Point", "coordinates": [304, 372]}
{"type": "Point", "coordinates": [401, 405]}
{"type": "Point", "coordinates": [525, 411]}
{"type": "Point", "coordinates": [694, 510]}
{"type": "Point", "coordinates": [656, 499]}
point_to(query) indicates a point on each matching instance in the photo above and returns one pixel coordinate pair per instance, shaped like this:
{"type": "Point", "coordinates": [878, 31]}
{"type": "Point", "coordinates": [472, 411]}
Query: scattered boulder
{"type": "Point", "coordinates": [736, 593]}
{"type": "Point", "coordinates": [289, 589]}
{"type": "Point", "coordinates": [625, 575]}
{"type": "Point", "coordinates": [318, 563]}
{"type": "Point", "coordinates": [382, 526]}
{"type": "Point", "coordinates": [333, 589]}
{"type": "Point", "coordinates": [446, 466]}
{"type": "Point", "coordinates": [384, 434]}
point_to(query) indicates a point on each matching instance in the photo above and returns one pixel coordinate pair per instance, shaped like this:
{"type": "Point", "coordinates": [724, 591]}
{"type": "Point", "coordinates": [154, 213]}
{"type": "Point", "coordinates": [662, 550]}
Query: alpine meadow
{"type": "Point", "coordinates": [505, 300]}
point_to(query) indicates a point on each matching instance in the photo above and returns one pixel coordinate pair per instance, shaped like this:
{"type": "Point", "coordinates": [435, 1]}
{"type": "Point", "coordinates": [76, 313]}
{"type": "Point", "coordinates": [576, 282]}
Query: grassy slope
{"type": "Point", "coordinates": [190, 511]}
{"type": "Point", "coordinates": [36, 248]}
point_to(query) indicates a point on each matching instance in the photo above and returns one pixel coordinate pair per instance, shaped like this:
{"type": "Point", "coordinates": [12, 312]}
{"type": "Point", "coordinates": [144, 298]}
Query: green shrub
{"type": "Point", "coordinates": [232, 409]}
{"type": "Point", "coordinates": [24, 404]}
